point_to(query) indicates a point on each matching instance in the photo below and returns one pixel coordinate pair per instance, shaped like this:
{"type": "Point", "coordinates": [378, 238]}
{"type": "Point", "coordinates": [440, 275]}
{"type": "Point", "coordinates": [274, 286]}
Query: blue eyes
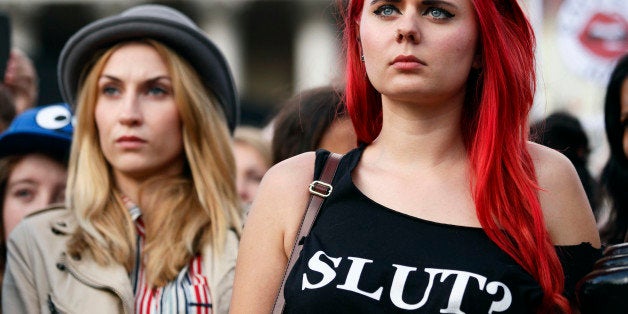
{"type": "Point", "coordinates": [438, 13]}
{"type": "Point", "coordinates": [386, 10]}
{"type": "Point", "coordinates": [156, 91]}
{"type": "Point", "coordinates": [149, 91]}
{"type": "Point", "coordinates": [23, 193]}
{"type": "Point", "coordinates": [435, 13]}
{"type": "Point", "coordinates": [108, 90]}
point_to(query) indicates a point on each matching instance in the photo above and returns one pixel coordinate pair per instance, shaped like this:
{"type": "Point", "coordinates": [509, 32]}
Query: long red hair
{"type": "Point", "coordinates": [495, 129]}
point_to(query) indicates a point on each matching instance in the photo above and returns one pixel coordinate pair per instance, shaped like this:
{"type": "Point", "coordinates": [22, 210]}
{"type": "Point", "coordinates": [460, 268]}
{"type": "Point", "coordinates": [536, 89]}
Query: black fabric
{"type": "Point", "coordinates": [362, 257]}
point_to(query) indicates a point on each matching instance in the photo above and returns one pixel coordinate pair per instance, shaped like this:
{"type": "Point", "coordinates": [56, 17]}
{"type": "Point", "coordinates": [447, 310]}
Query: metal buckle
{"type": "Point", "coordinates": [324, 185]}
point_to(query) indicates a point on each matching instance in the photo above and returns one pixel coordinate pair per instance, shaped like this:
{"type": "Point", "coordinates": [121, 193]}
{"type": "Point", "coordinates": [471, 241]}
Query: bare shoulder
{"type": "Point", "coordinates": [550, 165]}
{"type": "Point", "coordinates": [283, 194]}
{"type": "Point", "coordinates": [287, 169]}
{"type": "Point", "coordinates": [289, 178]}
{"type": "Point", "coordinates": [566, 210]}
{"type": "Point", "coordinates": [269, 233]}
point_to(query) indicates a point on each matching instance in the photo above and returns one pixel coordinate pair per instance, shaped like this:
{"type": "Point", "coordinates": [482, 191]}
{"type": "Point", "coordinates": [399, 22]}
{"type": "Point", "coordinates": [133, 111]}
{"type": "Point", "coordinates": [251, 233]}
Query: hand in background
{"type": "Point", "coordinates": [605, 289]}
{"type": "Point", "coordinates": [21, 80]}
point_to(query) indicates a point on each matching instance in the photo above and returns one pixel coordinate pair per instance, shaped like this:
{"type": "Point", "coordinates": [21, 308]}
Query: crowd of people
{"type": "Point", "coordinates": [142, 193]}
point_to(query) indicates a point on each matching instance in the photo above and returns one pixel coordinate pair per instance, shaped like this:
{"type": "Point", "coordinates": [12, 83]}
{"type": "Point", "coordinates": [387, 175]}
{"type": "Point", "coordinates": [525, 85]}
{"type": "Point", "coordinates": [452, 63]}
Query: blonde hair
{"type": "Point", "coordinates": [254, 137]}
{"type": "Point", "coordinates": [187, 212]}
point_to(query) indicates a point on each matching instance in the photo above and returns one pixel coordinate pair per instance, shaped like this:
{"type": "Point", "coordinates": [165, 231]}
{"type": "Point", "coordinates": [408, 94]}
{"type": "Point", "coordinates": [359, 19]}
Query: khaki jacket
{"type": "Point", "coordinates": [41, 278]}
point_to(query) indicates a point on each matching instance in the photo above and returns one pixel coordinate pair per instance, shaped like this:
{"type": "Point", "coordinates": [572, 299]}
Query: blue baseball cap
{"type": "Point", "coordinates": [46, 129]}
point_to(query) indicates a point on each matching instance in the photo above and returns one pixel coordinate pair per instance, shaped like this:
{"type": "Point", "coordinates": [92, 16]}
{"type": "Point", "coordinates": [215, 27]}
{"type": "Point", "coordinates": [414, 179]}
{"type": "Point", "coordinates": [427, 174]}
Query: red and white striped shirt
{"type": "Point", "coordinates": [188, 293]}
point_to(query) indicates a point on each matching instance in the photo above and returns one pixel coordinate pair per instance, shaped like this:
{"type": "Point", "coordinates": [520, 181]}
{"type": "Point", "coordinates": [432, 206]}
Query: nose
{"type": "Point", "coordinates": [407, 30]}
{"type": "Point", "coordinates": [243, 191]}
{"type": "Point", "coordinates": [130, 110]}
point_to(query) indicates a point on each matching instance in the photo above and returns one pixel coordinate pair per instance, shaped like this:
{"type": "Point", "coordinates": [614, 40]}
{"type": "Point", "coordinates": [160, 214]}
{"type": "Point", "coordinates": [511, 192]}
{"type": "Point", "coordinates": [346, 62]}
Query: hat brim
{"type": "Point", "coordinates": [188, 42]}
{"type": "Point", "coordinates": [22, 143]}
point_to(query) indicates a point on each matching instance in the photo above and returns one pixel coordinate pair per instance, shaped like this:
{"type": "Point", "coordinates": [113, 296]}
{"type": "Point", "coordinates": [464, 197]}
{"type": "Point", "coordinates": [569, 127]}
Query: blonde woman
{"type": "Point", "coordinates": [152, 219]}
{"type": "Point", "coordinates": [253, 158]}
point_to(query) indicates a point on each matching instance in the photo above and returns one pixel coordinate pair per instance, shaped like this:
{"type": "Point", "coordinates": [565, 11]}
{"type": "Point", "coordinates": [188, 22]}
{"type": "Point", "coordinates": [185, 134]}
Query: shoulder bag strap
{"type": "Point", "coordinates": [319, 190]}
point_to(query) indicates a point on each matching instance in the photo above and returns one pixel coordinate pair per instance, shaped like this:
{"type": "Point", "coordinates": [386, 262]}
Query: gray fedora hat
{"type": "Point", "coordinates": [160, 23]}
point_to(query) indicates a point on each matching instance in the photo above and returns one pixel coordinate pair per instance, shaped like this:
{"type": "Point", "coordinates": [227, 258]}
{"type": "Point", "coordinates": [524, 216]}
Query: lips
{"type": "Point", "coordinates": [129, 138]}
{"type": "Point", "coordinates": [130, 141]}
{"type": "Point", "coordinates": [407, 63]}
{"type": "Point", "coordinates": [606, 35]}
{"type": "Point", "coordinates": [408, 59]}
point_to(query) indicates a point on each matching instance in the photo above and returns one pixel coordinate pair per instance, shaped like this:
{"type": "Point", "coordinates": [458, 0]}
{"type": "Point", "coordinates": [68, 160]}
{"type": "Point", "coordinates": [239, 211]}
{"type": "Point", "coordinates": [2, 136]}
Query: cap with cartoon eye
{"type": "Point", "coordinates": [47, 129]}
{"type": "Point", "coordinates": [53, 117]}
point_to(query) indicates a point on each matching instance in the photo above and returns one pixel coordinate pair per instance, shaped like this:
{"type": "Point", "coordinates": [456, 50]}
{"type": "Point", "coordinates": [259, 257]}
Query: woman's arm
{"type": "Point", "coordinates": [269, 234]}
{"type": "Point", "coordinates": [568, 215]}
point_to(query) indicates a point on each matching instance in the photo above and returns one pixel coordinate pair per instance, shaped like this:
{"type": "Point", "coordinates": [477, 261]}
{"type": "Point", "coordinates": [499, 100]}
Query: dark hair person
{"type": "Point", "coordinates": [314, 118]}
{"type": "Point", "coordinates": [446, 206]}
{"type": "Point", "coordinates": [614, 177]}
{"type": "Point", "coordinates": [604, 289]}
{"type": "Point", "coordinates": [152, 216]}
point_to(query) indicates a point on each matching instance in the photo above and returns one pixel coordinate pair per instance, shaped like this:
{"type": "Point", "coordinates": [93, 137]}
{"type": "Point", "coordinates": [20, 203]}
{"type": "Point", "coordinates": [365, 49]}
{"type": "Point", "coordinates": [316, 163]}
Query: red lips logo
{"type": "Point", "coordinates": [606, 35]}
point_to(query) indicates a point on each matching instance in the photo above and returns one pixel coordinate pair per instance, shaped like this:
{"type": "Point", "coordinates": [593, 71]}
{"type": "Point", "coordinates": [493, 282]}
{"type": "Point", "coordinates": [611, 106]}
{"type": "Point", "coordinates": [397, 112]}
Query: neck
{"type": "Point", "coordinates": [131, 185]}
{"type": "Point", "coordinates": [420, 135]}
{"type": "Point", "coordinates": [128, 186]}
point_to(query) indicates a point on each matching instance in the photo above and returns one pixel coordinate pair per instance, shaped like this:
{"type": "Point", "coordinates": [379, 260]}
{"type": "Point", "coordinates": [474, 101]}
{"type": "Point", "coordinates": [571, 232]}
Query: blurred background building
{"type": "Point", "coordinates": [274, 47]}
{"type": "Point", "coordinates": [279, 47]}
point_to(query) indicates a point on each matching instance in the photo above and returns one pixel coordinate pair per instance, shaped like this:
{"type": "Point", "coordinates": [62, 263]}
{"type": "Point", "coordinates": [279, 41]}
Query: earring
{"type": "Point", "coordinates": [362, 58]}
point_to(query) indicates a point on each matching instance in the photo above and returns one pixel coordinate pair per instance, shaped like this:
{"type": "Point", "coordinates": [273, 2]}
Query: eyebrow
{"type": "Point", "coordinates": [151, 80]}
{"type": "Point", "coordinates": [425, 2]}
{"type": "Point", "coordinates": [23, 181]}
{"type": "Point", "coordinates": [113, 78]}
{"type": "Point", "coordinates": [376, 1]}
{"type": "Point", "coordinates": [440, 2]}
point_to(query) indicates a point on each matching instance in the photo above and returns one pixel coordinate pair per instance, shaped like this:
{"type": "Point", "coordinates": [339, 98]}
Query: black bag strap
{"type": "Point", "coordinates": [319, 190]}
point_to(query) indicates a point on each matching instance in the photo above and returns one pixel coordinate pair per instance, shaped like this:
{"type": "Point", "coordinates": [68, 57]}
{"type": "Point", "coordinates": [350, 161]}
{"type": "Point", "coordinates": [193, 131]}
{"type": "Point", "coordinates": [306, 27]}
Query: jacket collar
{"type": "Point", "coordinates": [112, 277]}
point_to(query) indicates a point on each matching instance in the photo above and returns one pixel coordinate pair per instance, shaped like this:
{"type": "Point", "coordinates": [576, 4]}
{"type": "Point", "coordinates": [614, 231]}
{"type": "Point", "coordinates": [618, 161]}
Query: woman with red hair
{"type": "Point", "coordinates": [445, 206]}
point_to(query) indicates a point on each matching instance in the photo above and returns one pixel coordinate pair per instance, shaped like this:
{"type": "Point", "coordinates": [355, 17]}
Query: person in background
{"type": "Point", "coordinates": [445, 206]}
{"type": "Point", "coordinates": [18, 88]}
{"type": "Point", "coordinates": [614, 178]}
{"type": "Point", "coordinates": [564, 133]}
{"type": "Point", "coordinates": [151, 219]}
{"type": "Point", "coordinates": [314, 118]}
{"type": "Point", "coordinates": [604, 289]}
{"type": "Point", "coordinates": [34, 154]}
{"type": "Point", "coordinates": [252, 157]}
{"type": "Point", "coordinates": [21, 80]}
{"type": "Point", "coordinates": [7, 108]}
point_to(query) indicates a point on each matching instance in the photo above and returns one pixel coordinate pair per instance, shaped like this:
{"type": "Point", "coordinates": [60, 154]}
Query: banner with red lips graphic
{"type": "Point", "coordinates": [592, 35]}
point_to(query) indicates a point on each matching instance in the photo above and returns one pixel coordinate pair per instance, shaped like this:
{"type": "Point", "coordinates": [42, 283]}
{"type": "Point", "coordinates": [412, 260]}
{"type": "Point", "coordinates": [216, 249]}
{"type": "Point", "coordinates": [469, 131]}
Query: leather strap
{"type": "Point", "coordinates": [319, 190]}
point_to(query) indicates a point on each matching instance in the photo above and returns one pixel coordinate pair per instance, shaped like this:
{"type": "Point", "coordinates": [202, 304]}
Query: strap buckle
{"type": "Point", "coordinates": [320, 188]}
